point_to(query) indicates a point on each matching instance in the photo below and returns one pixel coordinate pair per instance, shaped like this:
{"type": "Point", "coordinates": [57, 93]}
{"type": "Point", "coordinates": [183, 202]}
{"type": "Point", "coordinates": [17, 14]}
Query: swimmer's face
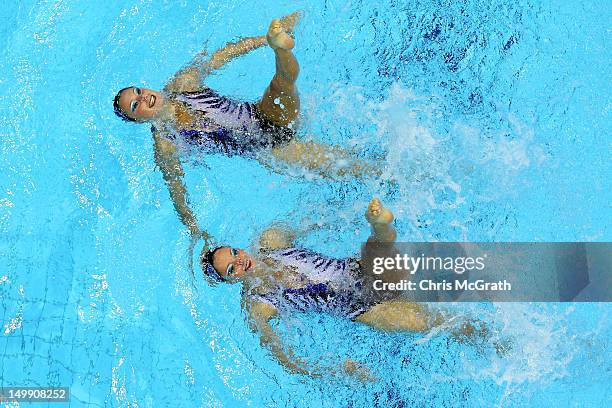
{"type": "Point", "coordinates": [232, 263]}
{"type": "Point", "coordinates": [141, 104]}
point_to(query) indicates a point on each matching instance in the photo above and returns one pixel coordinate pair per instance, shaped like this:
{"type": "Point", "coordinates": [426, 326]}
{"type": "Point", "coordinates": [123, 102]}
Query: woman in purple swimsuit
{"type": "Point", "coordinates": [187, 112]}
{"type": "Point", "coordinates": [281, 277]}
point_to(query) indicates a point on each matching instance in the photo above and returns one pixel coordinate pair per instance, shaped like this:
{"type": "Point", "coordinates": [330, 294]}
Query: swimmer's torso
{"type": "Point", "coordinates": [303, 280]}
{"type": "Point", "coordinates": [217, 124]}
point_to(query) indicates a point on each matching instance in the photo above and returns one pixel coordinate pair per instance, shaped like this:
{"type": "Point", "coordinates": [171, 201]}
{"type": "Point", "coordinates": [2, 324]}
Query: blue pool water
{"type": "Point", "coordinates": [496, 119]}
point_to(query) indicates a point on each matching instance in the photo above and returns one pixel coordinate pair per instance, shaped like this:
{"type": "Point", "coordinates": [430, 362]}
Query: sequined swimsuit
{"type": "Point", "coordinates": [331, 286]}
{"type": "Point", "coordinates": [226, 126]}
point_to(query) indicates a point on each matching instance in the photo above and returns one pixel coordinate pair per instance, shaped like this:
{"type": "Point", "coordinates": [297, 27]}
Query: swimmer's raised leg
{"type": "Point", "coordinates": [396, 314]}
{"type": "Point", "coordinates": [280, 103]}
{"type": "Point", "coordinates": [380, 219]}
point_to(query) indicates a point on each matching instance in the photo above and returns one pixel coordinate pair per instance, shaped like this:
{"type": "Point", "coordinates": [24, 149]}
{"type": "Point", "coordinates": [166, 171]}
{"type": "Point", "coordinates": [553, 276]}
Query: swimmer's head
{"type": "Point", "coordinates": [135, 104]}
{"type": "Point", "coordinates": [226, 264]}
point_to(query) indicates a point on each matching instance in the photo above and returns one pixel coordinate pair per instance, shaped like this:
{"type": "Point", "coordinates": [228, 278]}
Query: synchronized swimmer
{"type": "Point", "coordinates": [281, 276]}
{"type": "Point", "coordinates": [188, 112]}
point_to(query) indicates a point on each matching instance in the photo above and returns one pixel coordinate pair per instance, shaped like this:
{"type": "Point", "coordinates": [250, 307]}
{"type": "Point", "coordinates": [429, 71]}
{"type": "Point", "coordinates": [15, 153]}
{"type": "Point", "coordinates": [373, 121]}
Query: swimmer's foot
{"type": "Point", "coordinates": [278, 38]}
{"type": "Point", "coordinates": [377, 214]}
{"type": "Point", "coordinates": [291, 20]}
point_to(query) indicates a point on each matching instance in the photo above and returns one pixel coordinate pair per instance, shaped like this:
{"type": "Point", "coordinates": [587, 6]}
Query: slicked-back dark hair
{"type": "Point", "coordinates": [118, 111]}
{"type": "Point", "coordinates": [206, 262]}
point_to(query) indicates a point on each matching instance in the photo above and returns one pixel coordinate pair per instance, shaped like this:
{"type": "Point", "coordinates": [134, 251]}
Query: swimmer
{"type": "Point", "coordinates": [282, 277]}
{"type": "Point", "coordinates": [186, 112]}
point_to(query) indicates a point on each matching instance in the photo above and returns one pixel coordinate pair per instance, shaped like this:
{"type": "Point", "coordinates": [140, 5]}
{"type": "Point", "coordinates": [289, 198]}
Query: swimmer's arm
{"type": "Point", "coordinates": [233, 50]}
{"type": "Point", "coordinates": [167, 160]}
{"type": "Point", "coordinates": [245, 45]}
{"type": "Point", "coordinates": [277, 238]}
{"type": "Point", "coordinates": [260, 315]}
{"type": "Point", "coordinates": [190, 78]}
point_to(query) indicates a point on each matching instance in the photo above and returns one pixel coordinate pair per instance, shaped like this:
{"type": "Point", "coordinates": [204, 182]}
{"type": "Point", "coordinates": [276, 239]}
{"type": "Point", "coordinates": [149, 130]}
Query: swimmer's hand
{"type": "Point", "coordinates": [357, 370]}
{"type": "Point", "coordinates": [278, 38]}
{"type": "Point", "coordinates": [291, 20]}
{"type": "Point", "coordinates": [195, 232]}
{"type": "Point", "coordinates": [377, 214]}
